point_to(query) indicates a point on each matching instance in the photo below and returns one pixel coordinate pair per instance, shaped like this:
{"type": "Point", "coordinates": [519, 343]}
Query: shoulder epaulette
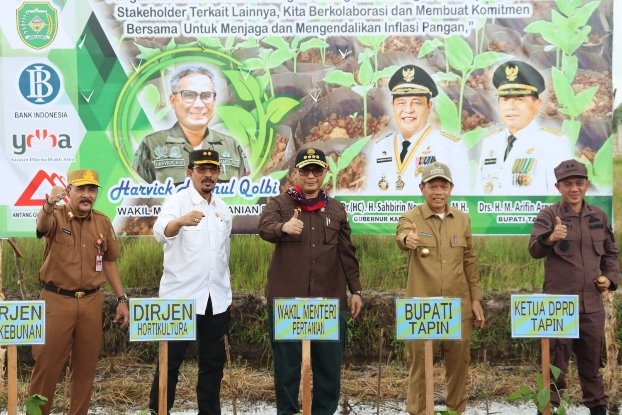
{"type": "Point", "coordinates": [382, 136]}
{"type": "Point", "coordinates": [552, 130]}
{"type": "Point", "coordinates": [97, 212]}
{"type": "Point", "coordinates": [493, 130]}
{"type": "Point", "coordinates": [450, 136]}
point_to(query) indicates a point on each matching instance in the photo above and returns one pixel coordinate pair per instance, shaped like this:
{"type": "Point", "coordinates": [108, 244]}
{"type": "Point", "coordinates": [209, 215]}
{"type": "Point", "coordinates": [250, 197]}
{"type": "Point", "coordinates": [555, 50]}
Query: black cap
{"type": "Point", "coordinates": [570, 168]}
{"type": "Point", "coordinates": [519, 79]}
{"type": "Point", "coordinates": [411, 80]}
{"type": "Point", "coordinates": [204, 157]}
{"type": "Point", "coordinates": [308, 156]}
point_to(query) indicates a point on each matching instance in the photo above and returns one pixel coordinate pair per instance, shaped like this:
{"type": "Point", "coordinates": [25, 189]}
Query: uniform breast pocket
{"type": "Point", "coordinates": [491, 166]}
{"type": "Point", "coordinates": [565, 246]}
{"type": "Point", "coordinates": [331, 232]}
{"type": "Point", "coordinates": [426, 249]}
{"type": "Point", "coordinates": [458, 241]}
{"type": "Point", "coordinates": [64, 239]}
{"type": "Point", "coordinates": [458, 244]}
{"type": "Point", "coordinates": [192, 238]}
{"type": "Point", "coordinates": [222, 227]}
{"type": "Point", "coordinates": [63, 246]}
{"type": "Point", "coordinates": [598, 240]}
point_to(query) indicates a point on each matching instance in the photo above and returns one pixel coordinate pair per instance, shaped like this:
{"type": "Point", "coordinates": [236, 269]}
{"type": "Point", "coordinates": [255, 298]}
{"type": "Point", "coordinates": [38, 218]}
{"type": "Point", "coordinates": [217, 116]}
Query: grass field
{"type": "Point", "coordinates": [505, 267]}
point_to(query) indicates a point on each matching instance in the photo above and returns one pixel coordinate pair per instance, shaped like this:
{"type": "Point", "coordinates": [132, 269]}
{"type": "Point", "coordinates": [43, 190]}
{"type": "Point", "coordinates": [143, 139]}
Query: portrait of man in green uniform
{"type": "Point", "coordinates": [164, 154]}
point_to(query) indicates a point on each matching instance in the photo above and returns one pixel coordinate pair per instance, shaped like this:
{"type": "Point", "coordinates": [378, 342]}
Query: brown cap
{"type": "Point", "coordinates": [308, 156]}
{"type": "Point", "coordinates": [570, 168]}
{"type": "Point", "coordinates": [204, 157]}
{"type": "Point", "coordinates": [83, 176]}
{"type": "Point", "coordinates": [435, 170]}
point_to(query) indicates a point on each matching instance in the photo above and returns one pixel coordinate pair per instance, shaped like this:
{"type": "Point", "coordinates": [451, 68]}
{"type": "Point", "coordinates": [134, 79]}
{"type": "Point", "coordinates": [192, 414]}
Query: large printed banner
{"type": "Point", "coordinates": [504, 91]}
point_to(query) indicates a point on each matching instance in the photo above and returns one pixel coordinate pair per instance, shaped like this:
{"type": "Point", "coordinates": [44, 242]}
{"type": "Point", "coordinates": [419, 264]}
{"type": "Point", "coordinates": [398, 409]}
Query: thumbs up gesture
{"type": "Point", "coordinates": [294, 225]}
{"type": "Point", "coordinates": [559, 232]}
{"type": "Point", "coordinates": [412, 239]}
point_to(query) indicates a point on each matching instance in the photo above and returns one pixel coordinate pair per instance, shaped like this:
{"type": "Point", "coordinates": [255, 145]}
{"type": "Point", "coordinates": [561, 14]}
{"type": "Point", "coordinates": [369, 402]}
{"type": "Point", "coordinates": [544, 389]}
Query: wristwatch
{"type": "Point", "coordinates": [123, 299]}
{"type": "Point", "coordinates": [359, 293]}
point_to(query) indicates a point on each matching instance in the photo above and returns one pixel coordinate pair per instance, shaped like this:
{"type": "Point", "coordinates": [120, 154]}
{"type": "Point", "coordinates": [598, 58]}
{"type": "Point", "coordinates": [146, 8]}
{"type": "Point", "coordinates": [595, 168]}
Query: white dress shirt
{"type": "Point", "coordinates": [196, 260]}
{"type": "Point", "coordinates": [528, 169]}
{"type": "Point", "coordinates": [385, 169]}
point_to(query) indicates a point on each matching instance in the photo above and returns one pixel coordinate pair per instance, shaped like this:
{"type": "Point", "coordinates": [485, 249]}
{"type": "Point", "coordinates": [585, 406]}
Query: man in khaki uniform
{"type": "Point", "coordinates": [79, 256]}
{"type": "Point", "coordinates": [441, 262]}
{"type": "Point", "coordinates": [164, 154]}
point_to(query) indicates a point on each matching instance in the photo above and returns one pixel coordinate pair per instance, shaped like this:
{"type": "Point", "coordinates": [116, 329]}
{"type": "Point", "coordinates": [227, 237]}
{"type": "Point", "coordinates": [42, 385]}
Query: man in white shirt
{"type": "Point", "coordinates": [396, 159]}
{"type": "Point", "coordinates": [195, 227]}
{"type": "Point", "coordinates": [518, 158]}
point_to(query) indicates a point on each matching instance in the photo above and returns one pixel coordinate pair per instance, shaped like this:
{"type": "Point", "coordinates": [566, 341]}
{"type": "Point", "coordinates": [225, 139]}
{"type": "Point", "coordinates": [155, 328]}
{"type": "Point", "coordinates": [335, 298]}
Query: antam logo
{"type": "Point", "coordinates": [36, 191]}
{"type": "Point", "coordinates": [40, 139]}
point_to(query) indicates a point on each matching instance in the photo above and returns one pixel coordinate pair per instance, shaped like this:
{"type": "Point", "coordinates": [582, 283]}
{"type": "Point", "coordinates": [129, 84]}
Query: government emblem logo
{"type": "Point", "coordinates": [37, 23]}
{"type": "Point", "coordinates": [511, 73]}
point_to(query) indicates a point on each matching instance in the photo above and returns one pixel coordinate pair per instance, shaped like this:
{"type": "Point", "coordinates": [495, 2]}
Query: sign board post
{"type": "Point", "coordinates": [21, 323]}
{"type": "Point", "coordinates": [545, 316]}
{"type": "Point", "coordinates": [12, 375]}
{"type": "Point", "coordinates": [428, 319]}
{"type": "Point", "coordinates": [306, 319]}
{"type": "Point", "coordinates": [163, 320]}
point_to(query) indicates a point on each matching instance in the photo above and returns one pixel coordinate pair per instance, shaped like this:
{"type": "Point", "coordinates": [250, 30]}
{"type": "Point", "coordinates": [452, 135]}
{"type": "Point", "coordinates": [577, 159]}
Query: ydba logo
{"type": "Point", "coordinates": [37, 23]}
{"type": "Point", "coordinates": [40, 140]}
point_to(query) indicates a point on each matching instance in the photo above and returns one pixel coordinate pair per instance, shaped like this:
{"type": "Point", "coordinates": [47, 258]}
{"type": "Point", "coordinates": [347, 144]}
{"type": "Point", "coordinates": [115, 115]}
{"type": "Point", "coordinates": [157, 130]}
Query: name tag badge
{"type": "Point", "coordinates": [99, 263]}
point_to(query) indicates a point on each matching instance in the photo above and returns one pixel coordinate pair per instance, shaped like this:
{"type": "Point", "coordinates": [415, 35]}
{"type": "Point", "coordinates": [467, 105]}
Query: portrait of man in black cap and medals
{"type": "Point", "coordinates": [397, 158]}
{"type": "Point", "coordinates": [518, 157]}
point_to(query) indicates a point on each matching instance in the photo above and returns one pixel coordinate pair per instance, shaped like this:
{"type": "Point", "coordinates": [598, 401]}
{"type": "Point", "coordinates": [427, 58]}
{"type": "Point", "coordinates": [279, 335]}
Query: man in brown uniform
{"type": "Point", "coordinates": [441, 262]}
{"type": "Point", "coordinates": [577, 244]}
{"type": "Point", "coordinates": [313, 257]}
{"type": "Point", "coordinates": [80, 254]}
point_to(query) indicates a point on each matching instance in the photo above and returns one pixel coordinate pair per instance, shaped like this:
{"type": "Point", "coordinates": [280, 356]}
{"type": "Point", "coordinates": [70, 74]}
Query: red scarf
{"type": "Point", "coordinates": [308, 205]}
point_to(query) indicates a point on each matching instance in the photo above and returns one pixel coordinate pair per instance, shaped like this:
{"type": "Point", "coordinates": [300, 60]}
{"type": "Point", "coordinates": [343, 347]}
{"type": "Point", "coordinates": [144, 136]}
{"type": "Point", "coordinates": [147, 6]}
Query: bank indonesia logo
{"type": "Point", "coordinates": [37, 23]}
{"type": "Point", "coordinates": [39, 83]}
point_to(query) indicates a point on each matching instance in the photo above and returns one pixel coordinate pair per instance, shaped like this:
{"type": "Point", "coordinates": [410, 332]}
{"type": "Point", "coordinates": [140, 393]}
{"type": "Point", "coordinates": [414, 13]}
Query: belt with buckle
{"type": "Point", "coordinates": [68, 293]}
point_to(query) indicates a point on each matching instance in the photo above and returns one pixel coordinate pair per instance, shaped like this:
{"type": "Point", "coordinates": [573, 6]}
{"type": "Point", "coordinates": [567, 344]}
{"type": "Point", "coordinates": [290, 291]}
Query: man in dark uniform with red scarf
{"type": "Point", "coordinates": [313, 257]}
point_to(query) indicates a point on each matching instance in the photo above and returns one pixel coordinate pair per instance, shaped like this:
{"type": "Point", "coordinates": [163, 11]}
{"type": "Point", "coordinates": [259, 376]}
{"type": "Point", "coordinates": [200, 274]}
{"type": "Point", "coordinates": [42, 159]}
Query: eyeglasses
{"type": "Point", "coordinates": [315, 172]}
{"type": "Point", "coordinates": [208, 168]}
{"type": "Point", "coordinates": [188, 96]}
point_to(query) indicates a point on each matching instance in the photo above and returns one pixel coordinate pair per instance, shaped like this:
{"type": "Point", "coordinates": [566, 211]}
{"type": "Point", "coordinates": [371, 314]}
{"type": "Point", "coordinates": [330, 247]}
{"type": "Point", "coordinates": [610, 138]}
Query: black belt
{"type": "Point", "coordinates": [68, 293]}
